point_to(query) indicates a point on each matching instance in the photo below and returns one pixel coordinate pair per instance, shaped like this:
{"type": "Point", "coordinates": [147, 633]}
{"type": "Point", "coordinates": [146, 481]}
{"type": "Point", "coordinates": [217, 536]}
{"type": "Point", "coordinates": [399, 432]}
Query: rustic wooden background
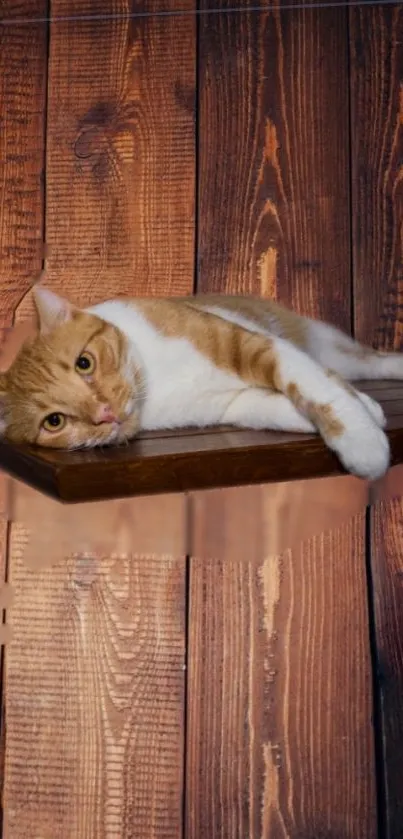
{"type": "Point", "coordinates": [253, 151]}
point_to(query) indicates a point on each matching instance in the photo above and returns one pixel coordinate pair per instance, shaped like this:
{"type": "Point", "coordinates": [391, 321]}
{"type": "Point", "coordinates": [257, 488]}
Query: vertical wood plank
{"type": "Point", "coordinates": [94, 674]}
{"type": "Point", "coordinates": [273, 184]}
{"type": "Point", "coordinates": [280, 682]}
{"type": "Point", "coordinates": [377, 185]}
{"type": "Point", "coordinates": [94, 688]}
{"type": "Point", "coordinates": [387, 568]}
{"type": "Point", "coordinates": [23, 74]}
{"type": "Point", "coordinates": [376, 42]}
{"type": "Point", "coordinates": [280, 698]}
{"type": "Point", "coordinates": [121, 142]}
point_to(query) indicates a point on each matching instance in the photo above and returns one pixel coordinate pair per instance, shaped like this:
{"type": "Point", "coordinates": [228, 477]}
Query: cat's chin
{"type": "Point", "coordinates": [113, 439]}
{"type": "Point", "coordinates": [119, 437]}
{"type": "Point", "coordinates": [122, 433]}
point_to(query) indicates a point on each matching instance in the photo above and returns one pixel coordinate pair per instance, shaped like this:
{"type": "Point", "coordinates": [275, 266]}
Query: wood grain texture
{"type": "Point", "coordinates": [279, 686]}
{"type": "Point", "coordinates": [95, 679]}
{"type": "Point", "coordinates": [166, 7]}
{"type": "Point", "coordinates": [90, 10]}
{"type": "Point", "coordinates": [387, 566]}
{"type": "Point", "coordinates": [23, 74]}
{"type": "Point", "coordinates": [163, 462]}
{"type": "Point", "coordinates": [120, 156]}
{"type": "Point", "coordinates": [280, 738]}
{"type": "Point", "coordinates": [376, 40]}
{"type": "Point", "coordinates": [274, 194]}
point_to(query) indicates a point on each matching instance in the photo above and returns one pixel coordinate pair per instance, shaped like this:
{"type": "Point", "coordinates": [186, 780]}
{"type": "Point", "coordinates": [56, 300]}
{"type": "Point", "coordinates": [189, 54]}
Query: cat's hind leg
{"type": "Point", "coordinates": [352, 360]}
{"type": "Point", "coordinates": [265, 410]}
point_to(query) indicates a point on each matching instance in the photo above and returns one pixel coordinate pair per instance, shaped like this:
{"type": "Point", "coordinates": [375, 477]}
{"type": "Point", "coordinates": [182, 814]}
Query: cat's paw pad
{"type": "Point", "coordinates": [373, 408]}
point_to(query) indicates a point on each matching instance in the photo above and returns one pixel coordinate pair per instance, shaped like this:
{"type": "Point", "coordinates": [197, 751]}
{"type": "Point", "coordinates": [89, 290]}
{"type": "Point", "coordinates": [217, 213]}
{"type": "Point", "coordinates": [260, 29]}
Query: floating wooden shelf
{"type": "Point", "coordinates": [190, 460]}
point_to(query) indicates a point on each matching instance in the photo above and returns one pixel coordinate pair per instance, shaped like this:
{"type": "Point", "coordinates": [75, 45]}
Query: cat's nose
{"type": "Point", "coordinates": [104, 413]}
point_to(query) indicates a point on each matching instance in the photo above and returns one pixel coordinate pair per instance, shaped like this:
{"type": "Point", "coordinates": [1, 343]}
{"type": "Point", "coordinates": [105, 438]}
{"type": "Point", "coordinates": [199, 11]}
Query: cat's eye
{"type": "Point", "coordinates": [54, 422]}
{"type": "Point", "coordinates": [85, 364]}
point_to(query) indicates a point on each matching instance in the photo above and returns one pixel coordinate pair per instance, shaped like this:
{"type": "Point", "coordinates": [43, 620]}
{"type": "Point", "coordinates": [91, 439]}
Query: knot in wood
{"type": "Point", "coordinates": [92, 140]}
{"type": "Point", "coordinates": [94, 146]}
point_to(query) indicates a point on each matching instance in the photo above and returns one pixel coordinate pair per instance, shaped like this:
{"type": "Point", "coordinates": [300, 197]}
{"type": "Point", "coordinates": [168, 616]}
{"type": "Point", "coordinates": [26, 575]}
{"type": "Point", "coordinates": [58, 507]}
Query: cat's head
{"type": "Point", "coordinates": [73, 384]}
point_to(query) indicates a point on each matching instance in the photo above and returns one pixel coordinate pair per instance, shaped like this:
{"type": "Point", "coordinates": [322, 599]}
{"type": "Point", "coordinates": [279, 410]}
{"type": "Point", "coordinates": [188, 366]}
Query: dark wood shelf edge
{"type": "Point", "coordinates": [180, 472]}
{"type": "Point", "coordinates": [191, 459]}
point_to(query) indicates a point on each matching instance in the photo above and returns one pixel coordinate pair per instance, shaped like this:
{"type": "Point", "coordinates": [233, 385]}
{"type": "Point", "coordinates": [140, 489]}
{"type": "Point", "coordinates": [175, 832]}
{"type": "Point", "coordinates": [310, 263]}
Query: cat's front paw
{"type": "Point", "coordinates": [364, 451]}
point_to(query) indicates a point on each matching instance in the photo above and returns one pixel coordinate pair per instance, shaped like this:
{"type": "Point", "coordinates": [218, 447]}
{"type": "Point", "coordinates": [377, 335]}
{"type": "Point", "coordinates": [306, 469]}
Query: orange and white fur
{"type": "Point", "coordinates": [98, 376]}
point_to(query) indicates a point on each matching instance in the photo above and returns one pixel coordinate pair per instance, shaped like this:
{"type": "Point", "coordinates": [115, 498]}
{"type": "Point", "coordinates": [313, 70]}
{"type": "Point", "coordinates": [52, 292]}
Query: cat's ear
{"type": "Point", "coordinates": [52, 310]}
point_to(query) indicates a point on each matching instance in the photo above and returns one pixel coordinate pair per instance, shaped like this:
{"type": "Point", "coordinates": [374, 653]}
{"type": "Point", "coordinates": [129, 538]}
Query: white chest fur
{"type": "Point", "coordinates": [183, 387]}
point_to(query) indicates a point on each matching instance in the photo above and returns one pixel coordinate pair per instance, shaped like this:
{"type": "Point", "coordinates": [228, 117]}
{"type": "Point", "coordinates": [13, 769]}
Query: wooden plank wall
{"type": "Point", "coordinates": [95, 677]}
{"type": "Point", "coordinates": [94, 681]}
{"type": "Point", "coordinates": [274, 219]}
{"type": "Point", "coordinates": [376, 40]}
{"type": "Point", "coordinates": [273, 158]}
{"type": "Point", "coordinates": [279, 731]}
{"type": "Point", "coordinates": [23, 58]}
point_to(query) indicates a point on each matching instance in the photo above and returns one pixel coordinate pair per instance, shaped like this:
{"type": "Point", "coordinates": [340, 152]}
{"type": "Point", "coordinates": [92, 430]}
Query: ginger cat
{"type": "Point", "coordinates": [97, 376]}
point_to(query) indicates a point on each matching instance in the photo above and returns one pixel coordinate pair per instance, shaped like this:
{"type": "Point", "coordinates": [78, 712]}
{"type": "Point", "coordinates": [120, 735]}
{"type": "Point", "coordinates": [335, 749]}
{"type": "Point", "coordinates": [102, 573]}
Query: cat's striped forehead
{"type": "Point", "coordinates": [55, 353]}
